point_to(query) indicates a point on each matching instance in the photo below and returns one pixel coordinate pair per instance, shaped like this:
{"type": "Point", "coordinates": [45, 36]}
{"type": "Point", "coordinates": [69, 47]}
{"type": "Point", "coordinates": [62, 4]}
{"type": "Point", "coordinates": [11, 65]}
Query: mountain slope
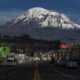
{"type": "Point", "coordinates": [43, 24]}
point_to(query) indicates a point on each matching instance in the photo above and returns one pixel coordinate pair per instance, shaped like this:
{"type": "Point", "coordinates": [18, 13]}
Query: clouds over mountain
{"type": "Point", "coordinates": [6, 16]}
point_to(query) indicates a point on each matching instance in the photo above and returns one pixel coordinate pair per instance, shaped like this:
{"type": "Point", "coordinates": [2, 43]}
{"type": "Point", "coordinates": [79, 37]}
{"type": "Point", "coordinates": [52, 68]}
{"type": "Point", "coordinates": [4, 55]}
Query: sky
{"type": "Point", "coordinates": [10, 9]}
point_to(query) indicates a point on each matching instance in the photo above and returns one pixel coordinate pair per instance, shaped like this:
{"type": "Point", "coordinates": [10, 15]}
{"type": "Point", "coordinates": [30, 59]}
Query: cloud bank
{"type": "Point", "coordinates": [6, 16]}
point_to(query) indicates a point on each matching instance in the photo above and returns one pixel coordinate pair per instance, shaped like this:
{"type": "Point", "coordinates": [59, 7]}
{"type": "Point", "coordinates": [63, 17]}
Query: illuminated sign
{"type": "Point", "coordinates": [65, 45]}
{"type": "Point", "coordinates": [4, 50]}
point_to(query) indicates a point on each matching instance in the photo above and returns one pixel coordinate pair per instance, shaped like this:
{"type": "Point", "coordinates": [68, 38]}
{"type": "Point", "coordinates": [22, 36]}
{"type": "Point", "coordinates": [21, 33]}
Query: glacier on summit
{"type": "Point", "coordinates": [47, 18]}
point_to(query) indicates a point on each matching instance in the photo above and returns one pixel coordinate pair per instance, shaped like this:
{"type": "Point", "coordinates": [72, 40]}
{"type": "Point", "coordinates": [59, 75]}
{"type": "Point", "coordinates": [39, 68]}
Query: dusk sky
{"type": "Point", "coordinates": [10, 9]}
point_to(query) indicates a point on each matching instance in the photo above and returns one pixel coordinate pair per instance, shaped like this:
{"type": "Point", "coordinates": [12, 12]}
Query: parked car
{"type": "Point", "coordinates": [62, 62]}
{"type": "Point", "coordinates": [72, 63]}
{"type": "Point", "coordinates": [11, 61]}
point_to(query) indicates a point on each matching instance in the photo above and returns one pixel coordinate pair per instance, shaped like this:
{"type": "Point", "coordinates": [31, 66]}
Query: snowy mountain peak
{"type": "Point", "coordinates": [38, 10]}
{"type": "Point", "coordinates": [46, 18]}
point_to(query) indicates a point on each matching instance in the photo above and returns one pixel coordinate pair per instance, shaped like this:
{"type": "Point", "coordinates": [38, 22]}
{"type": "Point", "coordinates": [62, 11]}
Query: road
{"type": "Point", "coordinates": [45, 71]}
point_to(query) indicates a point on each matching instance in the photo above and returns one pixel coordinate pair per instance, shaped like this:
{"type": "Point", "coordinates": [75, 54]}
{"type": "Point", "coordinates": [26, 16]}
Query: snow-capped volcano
{"type": "Point", "coordinates": [43, 24]}
{"type": "Point", "coordinates": [46, 18]}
